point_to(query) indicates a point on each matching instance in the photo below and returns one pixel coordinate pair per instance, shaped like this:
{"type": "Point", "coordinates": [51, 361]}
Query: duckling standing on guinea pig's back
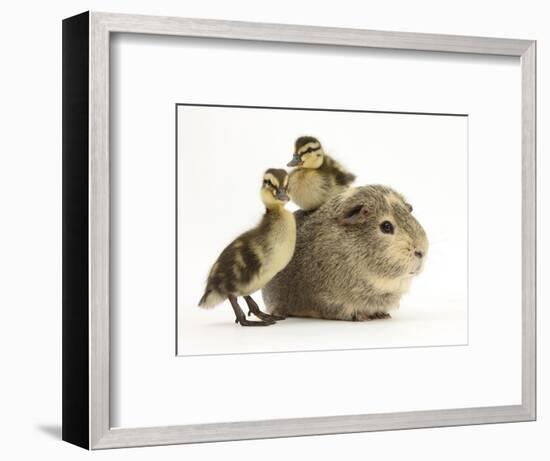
{"type": "Point", "coordinates": [249, 262]}
{"type": "Point", "coordinates": [316, 176]}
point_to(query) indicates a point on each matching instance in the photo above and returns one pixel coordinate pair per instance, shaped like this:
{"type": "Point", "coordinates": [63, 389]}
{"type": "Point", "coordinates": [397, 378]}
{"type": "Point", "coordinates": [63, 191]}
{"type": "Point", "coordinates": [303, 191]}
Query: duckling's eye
{"type": "Point", "coordinates": [387, 227]}
{"type": "Point", "coordinates": [267, 182]}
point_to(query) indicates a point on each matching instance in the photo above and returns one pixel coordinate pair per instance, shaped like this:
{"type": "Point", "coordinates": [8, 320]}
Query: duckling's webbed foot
{"type": "Point", "coordinates": [254, 309]}
{"type": "Point", "coordinates": [241, 318]}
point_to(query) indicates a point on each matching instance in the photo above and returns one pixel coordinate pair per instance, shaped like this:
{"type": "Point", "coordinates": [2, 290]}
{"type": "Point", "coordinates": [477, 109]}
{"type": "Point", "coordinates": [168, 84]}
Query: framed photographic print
{"type": "Point", "coordinates": [276, 230]}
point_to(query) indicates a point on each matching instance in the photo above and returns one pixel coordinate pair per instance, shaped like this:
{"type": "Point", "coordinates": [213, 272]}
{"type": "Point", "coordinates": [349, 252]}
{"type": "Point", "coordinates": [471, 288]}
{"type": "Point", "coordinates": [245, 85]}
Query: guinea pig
{"type": "Point", "coordinates": [354, 259]}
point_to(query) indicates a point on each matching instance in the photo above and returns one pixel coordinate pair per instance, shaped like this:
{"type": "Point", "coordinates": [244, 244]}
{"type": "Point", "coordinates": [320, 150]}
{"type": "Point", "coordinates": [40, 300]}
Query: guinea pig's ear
{"type": "Point", "coordinates": [409, 207]}
{"type": "Point", "coordinates": [354, 215]}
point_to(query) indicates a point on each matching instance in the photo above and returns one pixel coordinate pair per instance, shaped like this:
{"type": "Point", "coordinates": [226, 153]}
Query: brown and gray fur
{"type": "Point", "coordinates": [344, 267]}
{"type": "Point", "coordinates": [317, 176]}
{"type": "Point", "coordinates": [255, 256]}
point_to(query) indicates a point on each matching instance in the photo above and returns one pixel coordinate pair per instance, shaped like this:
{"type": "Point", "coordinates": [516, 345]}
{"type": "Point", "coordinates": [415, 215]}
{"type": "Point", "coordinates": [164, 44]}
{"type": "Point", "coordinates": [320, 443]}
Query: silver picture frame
{"type": "Point", "coordinates": [86, 229]}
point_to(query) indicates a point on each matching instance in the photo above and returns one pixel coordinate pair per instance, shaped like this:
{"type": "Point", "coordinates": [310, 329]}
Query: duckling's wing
{"type": "Point", "coordinates": [238, 263]}
{"type": "Point", "coordinates": [343, 178]}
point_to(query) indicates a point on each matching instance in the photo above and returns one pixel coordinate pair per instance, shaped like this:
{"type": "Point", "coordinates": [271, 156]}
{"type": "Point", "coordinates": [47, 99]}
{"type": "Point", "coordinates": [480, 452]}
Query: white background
{"type": "Point", "coordinates": [30, 187]}
{"type": "Point", "coordinates": [222, 155]}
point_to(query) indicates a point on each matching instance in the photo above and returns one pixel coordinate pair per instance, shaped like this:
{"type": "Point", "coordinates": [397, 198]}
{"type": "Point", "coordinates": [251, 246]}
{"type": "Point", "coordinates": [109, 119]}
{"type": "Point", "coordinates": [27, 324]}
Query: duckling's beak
{"type": "Point", "coordinates": [296, 161]}
{"type": "Point", "coordinates": [282, 195]}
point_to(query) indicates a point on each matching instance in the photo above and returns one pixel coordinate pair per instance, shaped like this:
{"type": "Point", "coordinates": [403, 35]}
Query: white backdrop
{"type": "Point", "coordinates": [30, 266]}
{"type": "Point", "coordinates": [222, 154]}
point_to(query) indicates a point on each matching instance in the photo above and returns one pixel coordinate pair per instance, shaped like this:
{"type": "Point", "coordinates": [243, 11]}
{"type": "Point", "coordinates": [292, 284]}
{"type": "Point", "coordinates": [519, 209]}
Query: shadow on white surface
{"type": "Point", "coordinates": [215, 333]}
{"type": "Point", "coordinates": [51, 430]}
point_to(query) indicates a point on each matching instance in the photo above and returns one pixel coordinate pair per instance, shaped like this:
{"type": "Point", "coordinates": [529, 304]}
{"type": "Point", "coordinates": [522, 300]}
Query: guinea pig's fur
{"type": "Point", "coordinates": [344, 266]}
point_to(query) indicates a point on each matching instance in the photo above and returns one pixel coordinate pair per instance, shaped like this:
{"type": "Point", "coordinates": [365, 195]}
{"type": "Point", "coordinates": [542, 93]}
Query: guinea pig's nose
{"type": "Point", "coordinates": [418, 254]}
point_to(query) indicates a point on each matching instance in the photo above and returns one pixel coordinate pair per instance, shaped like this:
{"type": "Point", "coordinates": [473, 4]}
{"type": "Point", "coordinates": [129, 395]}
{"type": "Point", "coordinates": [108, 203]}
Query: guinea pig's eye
{"type": "Point", "coordinates": [387, 227]}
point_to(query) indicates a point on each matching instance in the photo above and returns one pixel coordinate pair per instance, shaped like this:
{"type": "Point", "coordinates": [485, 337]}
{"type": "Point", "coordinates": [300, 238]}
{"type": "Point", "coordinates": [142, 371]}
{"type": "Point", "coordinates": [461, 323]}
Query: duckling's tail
{"type": "Point", "coordinates": [211, 298]}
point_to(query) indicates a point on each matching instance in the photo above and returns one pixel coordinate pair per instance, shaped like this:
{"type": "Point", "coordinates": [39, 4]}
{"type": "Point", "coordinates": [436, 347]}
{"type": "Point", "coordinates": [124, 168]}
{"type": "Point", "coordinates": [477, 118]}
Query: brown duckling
{"type": "Point", "coordinates": [249, 262]}
{"type": "Point", "coordinates": [317, 176]}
